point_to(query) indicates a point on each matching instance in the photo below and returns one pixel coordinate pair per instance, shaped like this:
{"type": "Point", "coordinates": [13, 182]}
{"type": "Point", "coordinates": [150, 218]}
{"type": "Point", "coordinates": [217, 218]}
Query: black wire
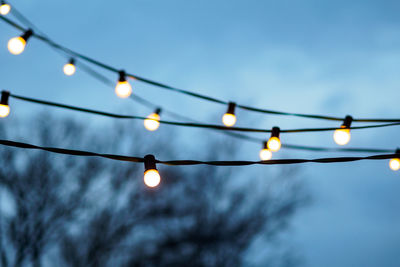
{"type": "Point", "coordinates": [186, 92]}
{"type": "Point", "coordinates": [194, 162]}
{"type": "Point", "coordinates": [190, 124]}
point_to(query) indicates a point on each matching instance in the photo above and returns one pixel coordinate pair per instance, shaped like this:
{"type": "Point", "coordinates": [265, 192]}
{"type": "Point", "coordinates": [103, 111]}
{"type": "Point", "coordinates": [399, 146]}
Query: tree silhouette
{"type": "Point", "coordinates": [95, 212]}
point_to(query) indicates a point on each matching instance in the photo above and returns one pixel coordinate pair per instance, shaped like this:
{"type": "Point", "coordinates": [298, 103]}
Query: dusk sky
{"type": "Point", "coordinates": [319, 57]}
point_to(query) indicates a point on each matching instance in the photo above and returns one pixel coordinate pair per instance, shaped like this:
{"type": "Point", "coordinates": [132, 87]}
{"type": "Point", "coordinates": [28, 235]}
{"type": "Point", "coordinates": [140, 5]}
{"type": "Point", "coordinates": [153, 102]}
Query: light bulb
{"type": "Point", "coordinates": [229, 119]}
{"type": "Point", "coordinates": [123, 88]}
{"type": "Point", "coordinates": [4, 8]}
{"type": "Point", "coordinates": [265, 154]}
{"type": "Point", "coordinates": [152, 122]}
{"type": "Point", "coordinates": [4, 110]}
{"type": "Point", "coordinates": [69, 68]}
{"type": "Point", "coordinates": [342, 136]}
{"type": "Point", "coordinates": [274, 143]}
{"type": "Point", "coordinates": [16, 45]}
{"type": "Point", "coordinates": [394, 164]}
{"type": "Point", "coordinates": [152, 178]}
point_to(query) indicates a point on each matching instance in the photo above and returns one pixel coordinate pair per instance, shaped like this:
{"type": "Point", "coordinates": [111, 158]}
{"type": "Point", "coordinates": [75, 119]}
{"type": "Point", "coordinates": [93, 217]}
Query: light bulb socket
{"type": "Point", "coordinates": [397, 151]}
{"type": "Point", "coordinates": [347, 121]}
{"type": "Point", "coordinates": [231, 108]}
{"type": "Point", "coordinates": [158, 111]}
{"type": "Point", "coordinates": [265, 145]}
{"type": "Point", "coordinates": [2, 2]}
{"type": "Point", "coordinates": [5, 95]}
{"type": "Point", "coordinates": [26, 35]}
{"type": "Point", "coordinates": [71, 61]}
{"type": "Point", "coordinates": [275, 132]}
{"type": "Point", "coordinates": [149, 163]}
{"type": "Point", "coordinates": [122, 76]}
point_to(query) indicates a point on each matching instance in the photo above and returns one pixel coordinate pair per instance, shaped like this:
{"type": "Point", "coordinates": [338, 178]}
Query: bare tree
{"type": "Point", "coordinates": [95, 212]}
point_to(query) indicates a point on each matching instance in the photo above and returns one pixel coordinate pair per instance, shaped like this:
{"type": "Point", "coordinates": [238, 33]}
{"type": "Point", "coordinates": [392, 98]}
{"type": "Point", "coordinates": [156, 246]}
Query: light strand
{"type": "Point", "coordinates": [190, 124]}
{"type": "Point", "coordinates": [148, 104]}
{"type": "Point", "coordinates": [82, 153]}
{"type": "Point", "coordinates": [186, 92]}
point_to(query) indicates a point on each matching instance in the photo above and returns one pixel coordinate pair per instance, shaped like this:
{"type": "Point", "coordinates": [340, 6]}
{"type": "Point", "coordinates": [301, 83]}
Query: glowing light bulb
{"type": "Point", "coordinates": [274, 143]}
{"type": "Point", "coordinates": [342, 136]}
{"type": "Point", "coordinates": [17, 45]}
{"type": "Point", "coordinates": [153, 121]}
{"type": "Point", "coordinates": [394, 164]}
{"type": "Point", "coordinates": [4, 8]}
{"type": "Point", "coordinates": [69, 68]}
{"type": "Point", "coordinates": [151, 176]}
{"type": "Point", "coordinates": [265, 154]}
{"type": "Point", "coordinates": [229, 118]}
{"type": "Point", "coordinates": [123, 88]}
{"type": "Point", "coordinates": [4, 108]}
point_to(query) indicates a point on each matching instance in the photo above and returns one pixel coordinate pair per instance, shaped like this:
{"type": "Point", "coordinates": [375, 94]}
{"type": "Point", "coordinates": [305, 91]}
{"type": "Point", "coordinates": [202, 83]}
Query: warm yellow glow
{"type": "Point", "coordinates": [341, 136]}
{"type": "Point", "coordinates": [16, 45]}
{"type": "Point", "coordinates": [123, 89]}
{"type": "Point", "coordinates": [69, 69]}
{"type": "Point", "coordinates": [152, 122]}
{"type": "Point", "coordinates": [152, 178]}
{"type": "Point", "coordinates": [4, 110]}
{"type": "Point", "coordinates": [274, 144]}
{"type": "Point", "coordinates": [229, 119]}
{"type": "Point", "coordinates": [5, 9]}
{"type": "Point", "coordinates": [265, 154]}
{"type": "Point", "coordinates": [394, 164]}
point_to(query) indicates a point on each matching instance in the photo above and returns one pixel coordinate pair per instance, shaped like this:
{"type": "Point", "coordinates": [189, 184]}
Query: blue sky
{"type": "Point", "coordinates": [325, 57]}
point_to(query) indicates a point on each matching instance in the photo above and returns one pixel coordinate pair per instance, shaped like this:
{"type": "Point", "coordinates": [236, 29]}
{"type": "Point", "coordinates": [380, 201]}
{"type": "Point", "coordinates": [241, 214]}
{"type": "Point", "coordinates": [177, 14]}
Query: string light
{"type": "Point", "coordinates": [394, 163]}
{"type": "Point", "coordinates": [191, 124]}
{"type": "Point", "coordinates": [4, 108]}
{"type": "Point", "coordinates": [342, 136]}
{"type": "Point", "coordinates": [69, 68]}
{"type": "Point", "coordinates": [188, 162]}
{"type": "Point", "coordinates": [274, 143]}
{"type": "Point", "coordinates": [153, 120]}
{"type": "Point", "coordinates": [4, 8]}
{"type": "Point", "coordinates": [229, 118]}
{"type": "Point", "coordinates": [151, 176]}
{"type": "Point", "coordinates": [123, 88]}
{"type": "Point", "coordinates": [17, 45]}
{"type": "Point", "coordinates": [64, 49]}
{"type": "Point", "coordinates": [265, 153]}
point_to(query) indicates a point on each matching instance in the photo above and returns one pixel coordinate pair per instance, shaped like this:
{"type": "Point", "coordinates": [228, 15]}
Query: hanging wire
{"type": "Point", "coordinates": [171, 88]}
{"type": "Point", "coordinates": [194, 162]}
{"type": "Point", "coordinates": [190, 124]}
